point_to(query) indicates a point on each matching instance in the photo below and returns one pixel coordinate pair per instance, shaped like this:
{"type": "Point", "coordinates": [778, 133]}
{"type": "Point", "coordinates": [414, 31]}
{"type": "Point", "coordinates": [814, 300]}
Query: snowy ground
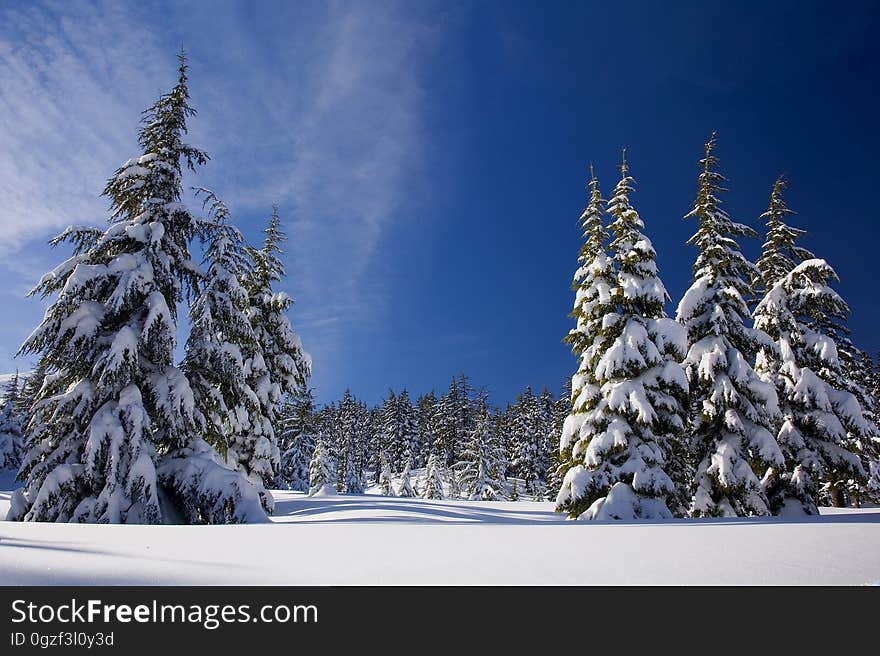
{"type": "Point", "coordinates": [377, 540]}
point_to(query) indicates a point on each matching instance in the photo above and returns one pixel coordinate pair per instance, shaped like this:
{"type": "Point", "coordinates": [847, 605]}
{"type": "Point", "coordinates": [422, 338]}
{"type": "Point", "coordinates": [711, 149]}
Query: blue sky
{"type": "Point", "coordinates": [430, 158]}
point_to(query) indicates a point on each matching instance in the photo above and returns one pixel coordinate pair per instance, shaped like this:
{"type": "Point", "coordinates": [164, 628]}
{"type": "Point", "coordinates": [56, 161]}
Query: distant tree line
{"type": "Point", "coordinates": [465, 447]}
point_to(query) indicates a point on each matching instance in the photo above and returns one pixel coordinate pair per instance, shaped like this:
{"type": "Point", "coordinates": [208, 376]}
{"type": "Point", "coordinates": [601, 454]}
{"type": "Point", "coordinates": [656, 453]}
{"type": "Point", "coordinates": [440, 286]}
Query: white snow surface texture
{"type": "Point", "coordinates": [343, 539]}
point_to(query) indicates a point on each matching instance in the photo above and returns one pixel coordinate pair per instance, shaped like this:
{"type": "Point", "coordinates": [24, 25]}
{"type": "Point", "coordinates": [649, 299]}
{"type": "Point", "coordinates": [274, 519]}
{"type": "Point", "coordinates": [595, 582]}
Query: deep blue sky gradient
{"type": "Point", "coordinates": [529, 94]}
{"type": "Point", "coordinates": [518, 99]}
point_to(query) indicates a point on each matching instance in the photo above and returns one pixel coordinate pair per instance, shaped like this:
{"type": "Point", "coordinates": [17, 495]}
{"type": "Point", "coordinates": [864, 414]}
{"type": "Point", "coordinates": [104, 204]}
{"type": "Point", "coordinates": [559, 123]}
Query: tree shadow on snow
{"type": "Point", "coordinates": [396, 510]}
{"type": "Point", "coordinates": [404, 511]}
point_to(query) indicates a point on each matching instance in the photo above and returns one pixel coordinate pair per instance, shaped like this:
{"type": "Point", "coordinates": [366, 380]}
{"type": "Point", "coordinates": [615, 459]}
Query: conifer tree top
{"type": "Point", "coordinates": [716, 229]}
{"type": "Point", "coordinates": [161, 139]}
{"type": "Point", "coordinates": [780, 252]}
{"type": "Point", "coordinates": [267, 261]}
{"type": "Point", "coordinates": [723, 277]}
{"type": "Point", "coordinates": [638, 290]}
{"type": "Point", "coordinates": [594, 232]}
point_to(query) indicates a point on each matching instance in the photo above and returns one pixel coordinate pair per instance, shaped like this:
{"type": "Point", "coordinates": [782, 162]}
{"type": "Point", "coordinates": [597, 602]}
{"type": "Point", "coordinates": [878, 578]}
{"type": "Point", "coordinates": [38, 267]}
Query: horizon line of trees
{"type": "Point", "coordinates": [465, 447]}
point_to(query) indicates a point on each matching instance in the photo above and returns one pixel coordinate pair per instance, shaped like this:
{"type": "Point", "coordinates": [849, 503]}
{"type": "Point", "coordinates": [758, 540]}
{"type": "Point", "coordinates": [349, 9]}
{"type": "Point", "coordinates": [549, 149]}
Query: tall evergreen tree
{"type": "Point", "coordinates": [296, 439]}
{"type": "Point", "coordinates": [556, 467]}
{"type": "Point", "coordinates": [733, 412]}
{"type": "Point", "coordinates": [425, 438]}
{"type": "Point", "coordinates": [547, 434]}
{"type": "Point", "coordinates": [31, 383]}
{"type": "Point", "coordinates": [221, 333]}
{"type": "Point", "coordinates": [780, 252]}
{"type": "Point", "coordinates": [389, 438]}
{"type": "Point", "coordinates": [593, 281]}
{"type": "Point", "coordinates": [11, 426]}
{"type": "Point", "coordinates": [525, 436]}
{"type": "Point", "coordinates": [821, 419]}
{"type": "Point", "coordinates": [351, 420]}
{"type": "Point", "coordinates": [593, 284]}
{"type": "Point", "coordinates": [375, 440]}
{"type": "Point", "coordinates": [630, 410]}
{"type": "Point", "coordinates": [408, 431]}
{"type": "Point", "coordinates": [861, 374]}
{"type": "Point", "coordinates": [113, 401]}
{"type": "Point", "coordinates": [276, 366]}
{"type": "Point", "coordinates": [480, 467]}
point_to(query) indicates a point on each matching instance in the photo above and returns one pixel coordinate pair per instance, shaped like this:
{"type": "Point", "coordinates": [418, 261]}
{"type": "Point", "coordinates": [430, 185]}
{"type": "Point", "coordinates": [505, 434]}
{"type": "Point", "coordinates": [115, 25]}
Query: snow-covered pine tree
{"type": "Point", "coordinates": [351, 420]}
{"type": "Point", "coordinates": [375, 444]}
{"type": "Point", "coordinates": [221, 333]}
{"type": "Point", "coordinates": [547, 442]}
{"type": "Point", "coordinates": [481, 461]}
{"type": "Point", "coordinates": [425, 438]}
{"type": "Point", "coordinates": [499, 442]}
{"type": "Point", "coordinates": [276, 366]}
{"type": "Point", "coordinates": [593, 281]}
{"type": "Point", "coordinates": [432, 484]}
{"type": "Point", "coordinates": [296, 440]}
{"type": "Point", "coordinates": [733, 412]}
{"type": "Point", "coordinates": [780, 252]}
{"type": "Point", "coordinates": [555, 466]}
{"type": "Point", "coordinates": [31, 383]}
{"type": "Point", "coordinates": [454, 483]}
{"type": "Point", "coordinates": [11, 427]}
{"type": "Point", "coordinates": [861, 373]}
{"type": "Point", "coordinates": [454, 420]}
{"type": "Point", "coordinates": [822, 420]}
{"type": "Point", "coordinates": [405, 488]}
{"type": "Point", "coordinates": [408, 427]}
{"type": "Point", "coordinates": [322, 475]}
{"type": "Point", "coordinates": [593, 284]}
{"type": "Point", "coordinates": [525, 436]}
{"type": "Point", "coordinates": [390, 441]}
{"type": "Point", "coordinates": [630, 411]}
{"type": "Point", "coordinates": [446, 422]}
{"type": "Point", "coordinates": [113, 402]}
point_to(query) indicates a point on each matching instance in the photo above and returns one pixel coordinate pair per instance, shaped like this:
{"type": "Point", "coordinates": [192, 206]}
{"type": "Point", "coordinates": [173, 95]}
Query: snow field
{"type": "Point", "coordinates": [375, 540]}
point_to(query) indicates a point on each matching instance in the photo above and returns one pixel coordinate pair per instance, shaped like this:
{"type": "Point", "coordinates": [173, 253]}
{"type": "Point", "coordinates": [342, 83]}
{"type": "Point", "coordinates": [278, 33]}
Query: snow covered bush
{"type": "Point", "coordinates": [385, 478]}
{"type": "Point", "coordinates": [322, 477]}
{"type": "Point", "coordinates": [205, 491]}
{"type": "Point", "coordinates": [405, 489]}
{"type": "Point", "coordinates": [431, 486]}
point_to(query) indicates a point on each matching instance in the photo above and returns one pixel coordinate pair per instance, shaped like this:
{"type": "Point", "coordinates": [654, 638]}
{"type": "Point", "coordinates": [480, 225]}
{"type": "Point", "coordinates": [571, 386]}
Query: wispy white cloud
{"type": "Point", "coordinates": [322, 114]}
{"type": "Point", "coordinates": [70, 91]}
{"type": "Point", "coordinates": [358, 145]}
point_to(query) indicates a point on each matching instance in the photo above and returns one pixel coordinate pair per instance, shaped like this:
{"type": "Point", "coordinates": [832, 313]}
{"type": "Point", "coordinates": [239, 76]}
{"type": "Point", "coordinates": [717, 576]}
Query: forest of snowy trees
{"type": "Point", "coordinates": [751, 400]}
{"type": "Point", "coordinates": [453, 445]}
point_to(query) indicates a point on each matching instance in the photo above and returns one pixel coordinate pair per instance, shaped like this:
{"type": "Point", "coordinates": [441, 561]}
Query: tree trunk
{"type": "Point", "coordinates": [836, 496]}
